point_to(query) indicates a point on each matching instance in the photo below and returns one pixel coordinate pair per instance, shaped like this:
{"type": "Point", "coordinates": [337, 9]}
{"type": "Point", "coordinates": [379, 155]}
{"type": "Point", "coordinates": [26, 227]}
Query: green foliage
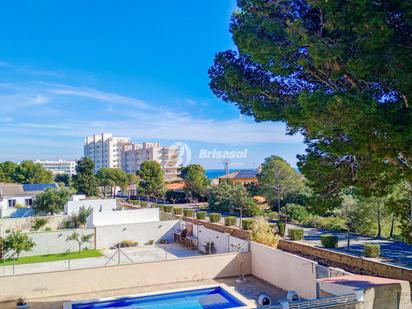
{"type": "Point", "coordinates": [233, 198]}
{"type": "Point", "coordinates": [273, 215]}
{"type": "Point", "coordinates": [152, 179]}
{"type": "Point", "coordinates": [263, 233]}
{"type": "Point", "coordinates": [330, 223]}
{"type": "Point", "coordinates": [188, 212]}
{"type": "Point", "coordinates": [195, 179]}
{"type": "Point", "coordinates": [329, 241]}
{"type": "Point", "coordinates": [112, 177]}
{"type": "Point", "coordinates": [215, 217]}
{"type": "Point", "coordinates": [201, 215]}
{"type": "Point", "coordinates": [128, 243]}
{"type": "Point", "coordinates": [175, 196]}
{"type": "Point", "coordinates": [371, 250]}
{"type": "Point", "coordinates": [295, 233]}
{"type": "Point", "coordinates": [277, 179]}
{"type": "Point", "coordinates": [230, 221]}
{"type": "Point", "coordinates": [295, 212]}
{"type": "Point", "coordinates": [38, 223]}
{"type": "Point", "coordinates": [281, 228]}
{"type": "Point", "coordinates": [85, 181]}
{"type": "Point", "coordinates": [80, 239]}
{"type": "Point", "coordinates": [30, 172]}
{"type": "Point", "coordinates": [7, 171]}
{"type": "Point", "coordinates": [51, 201]}
{"type": "Point", "coordinates": [63, 179]}
{"type": "Point", "coordinates": [178, 210]}
{"type": "Point", "coordinates": [168, 208]}
{"type": "Point", "coordinates": [83, 214]}
{"type": "Point", "coordinates": [247, 224]}
{"type": "Point", "coordinates": [17, 242]}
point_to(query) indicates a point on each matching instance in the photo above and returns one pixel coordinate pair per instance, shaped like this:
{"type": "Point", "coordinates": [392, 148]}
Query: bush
{"type": "Point", "coordinates": [263, 233]}
{"type": "Point", "coordinates": [168, 209]}
{"type": "Point", "coordinates": [188, 212]}
{"type": "Point", "coordinates": [247, 224]}
{"type": "Point", "coordinates": [330, 223]}
{"type": "Point", "coordinates": [178, 210]}
{"type": "Point", "coordinates": [371, 250]}
{"type": "Point", "coordinates": [281, 228]}
{"type": "Point", "coordinates": [215, 217]}
{"type": "Point", "coordinates": [329, 241]}
{"type": "Point", "coordinates": [47, 229]}
{"type": "Point", "coordinates": [230, 221]}
{"type": "Point", "coordinates": [201, 215]}
{"type": "Point", "coordinates": [296, 212]}
{"type": "Point", "coordinates": [38, 223]}
{"type": "Point", "coordinates": [295, 233]}
{"type": "Point", "coordinates": [128, 243]}
{"type": "Point", "coordinates": [150, 242]}
{"type": "Point", "coordinates": [273, 215]}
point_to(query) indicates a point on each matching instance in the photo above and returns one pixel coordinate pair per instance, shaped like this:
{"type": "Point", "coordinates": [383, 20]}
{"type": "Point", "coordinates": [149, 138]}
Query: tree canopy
{"type": "Point", "coordinates": [51, 201]}
{"type": "Point", "coordinates": [195, 180]}
{"type": "Point", "coordinates": [85, 181]}
{"type": "Point", "coordinates": [339, 73]}
{"type": "Point", "coordinates": [25, 172]}
{"type": "Point", "coordinates": [112, 177]}
{"type": "Point", "coordinates": [152, 181]}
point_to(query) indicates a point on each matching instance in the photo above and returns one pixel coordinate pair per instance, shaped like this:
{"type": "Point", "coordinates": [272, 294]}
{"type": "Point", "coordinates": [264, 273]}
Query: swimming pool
{"type": "Point", "coordinates": [215, 297]}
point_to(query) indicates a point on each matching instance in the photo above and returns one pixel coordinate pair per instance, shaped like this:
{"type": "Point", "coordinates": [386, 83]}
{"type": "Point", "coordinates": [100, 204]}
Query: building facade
{"type": "Point", "coordinates": [119, 152]}
{"type": "Point", "coordinates": [59, 166]}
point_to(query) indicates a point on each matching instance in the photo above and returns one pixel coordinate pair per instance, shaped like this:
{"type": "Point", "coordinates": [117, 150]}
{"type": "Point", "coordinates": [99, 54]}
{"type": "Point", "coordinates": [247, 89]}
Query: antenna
{"type": "Point", "coordinates": [226, 166]}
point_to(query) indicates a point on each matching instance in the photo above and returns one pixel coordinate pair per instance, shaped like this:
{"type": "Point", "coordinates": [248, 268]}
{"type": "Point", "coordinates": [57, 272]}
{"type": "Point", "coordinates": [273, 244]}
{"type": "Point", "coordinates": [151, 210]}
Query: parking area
{"type": "Point", "coordinates": [110, 257]}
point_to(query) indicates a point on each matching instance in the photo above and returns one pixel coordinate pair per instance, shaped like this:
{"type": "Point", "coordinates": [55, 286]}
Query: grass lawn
{"type": "Point", "coordinates": [53, 257]}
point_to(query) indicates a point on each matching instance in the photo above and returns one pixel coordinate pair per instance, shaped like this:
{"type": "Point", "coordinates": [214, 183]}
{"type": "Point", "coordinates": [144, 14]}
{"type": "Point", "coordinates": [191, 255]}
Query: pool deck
{"type": "Point", "coordinates": [249, 290]}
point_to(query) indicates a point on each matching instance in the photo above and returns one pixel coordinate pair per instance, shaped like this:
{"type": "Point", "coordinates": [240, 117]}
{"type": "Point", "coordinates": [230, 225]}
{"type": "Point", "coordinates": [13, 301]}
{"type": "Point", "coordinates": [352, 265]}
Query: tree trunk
{"type": "Point", "coordinates": [348, 236]}
{"type": "Point", "coordinates": [392, 226]}
{"type": "Point", "coordinates": [379, 234]}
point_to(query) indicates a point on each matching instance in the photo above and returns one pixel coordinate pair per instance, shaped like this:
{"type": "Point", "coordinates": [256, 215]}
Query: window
{"type": "Point", "coordinates": [28, 202]}
{"type": "Point", "coordinates": [12, 203]}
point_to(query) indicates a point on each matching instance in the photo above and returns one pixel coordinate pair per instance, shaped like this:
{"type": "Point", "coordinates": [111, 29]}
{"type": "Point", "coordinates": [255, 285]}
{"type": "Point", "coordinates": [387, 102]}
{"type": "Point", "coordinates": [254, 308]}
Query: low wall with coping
{"type": "Point", "coordinates": [122, 276]}
{"type": "Point", "coordinates": [351, 263]}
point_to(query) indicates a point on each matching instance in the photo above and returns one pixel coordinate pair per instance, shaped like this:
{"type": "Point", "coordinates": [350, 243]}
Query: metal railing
{"type": "Point", "coordinates": [323, 302]}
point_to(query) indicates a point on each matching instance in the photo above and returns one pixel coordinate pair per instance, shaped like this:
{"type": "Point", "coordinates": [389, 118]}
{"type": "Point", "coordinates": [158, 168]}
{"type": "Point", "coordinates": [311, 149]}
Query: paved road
{"type": "Point", "coordinates": [392, 252]}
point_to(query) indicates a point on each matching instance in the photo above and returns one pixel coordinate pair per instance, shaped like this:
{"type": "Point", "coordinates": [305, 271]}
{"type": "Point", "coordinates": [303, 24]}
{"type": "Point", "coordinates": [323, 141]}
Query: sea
{"type": "Point", "coordinates": [214, 173]}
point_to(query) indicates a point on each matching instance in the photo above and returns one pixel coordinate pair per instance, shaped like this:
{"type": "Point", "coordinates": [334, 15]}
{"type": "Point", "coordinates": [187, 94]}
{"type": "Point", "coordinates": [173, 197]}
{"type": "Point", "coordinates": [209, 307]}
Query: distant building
{"type": "Point", "coordinates": [59, 166]}
{"type": "Point", "coordinates": [16, 199]}
{"type": "Point", "coordinates": [105, 150]}
{"type": "Point", "coordinates": [241, 176]}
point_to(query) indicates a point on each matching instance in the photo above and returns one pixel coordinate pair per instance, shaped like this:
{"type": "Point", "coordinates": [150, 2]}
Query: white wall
{"type": "Point", "coordinates": [123, 217]}
{"type": "Point", "coordinates": [72, 207]}
{"type": "Point", "coordinates": [284, 270]}
{"type": "Point", "coordinates": [110, 235]}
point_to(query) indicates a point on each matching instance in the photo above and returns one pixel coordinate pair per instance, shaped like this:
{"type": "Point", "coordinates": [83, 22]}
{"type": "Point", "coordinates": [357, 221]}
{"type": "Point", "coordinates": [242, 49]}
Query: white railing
{"type": "Point", "coordinates": [323, 302]}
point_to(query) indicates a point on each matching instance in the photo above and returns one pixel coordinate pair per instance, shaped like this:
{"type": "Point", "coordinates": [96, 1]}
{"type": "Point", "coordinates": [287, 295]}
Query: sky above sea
{"type": "Point", "coordinates": [69, 69]}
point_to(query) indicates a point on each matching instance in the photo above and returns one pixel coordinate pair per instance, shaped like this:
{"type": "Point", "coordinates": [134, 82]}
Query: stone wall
{"type": "Point", "coordinates": [25, 224]}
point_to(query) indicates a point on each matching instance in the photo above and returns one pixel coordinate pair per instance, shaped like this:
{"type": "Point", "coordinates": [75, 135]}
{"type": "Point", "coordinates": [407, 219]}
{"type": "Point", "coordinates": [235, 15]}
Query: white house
{"type": "Point", "coordinates": [16, 199]}
{"type": "Point", "coordinates": [123, 217]}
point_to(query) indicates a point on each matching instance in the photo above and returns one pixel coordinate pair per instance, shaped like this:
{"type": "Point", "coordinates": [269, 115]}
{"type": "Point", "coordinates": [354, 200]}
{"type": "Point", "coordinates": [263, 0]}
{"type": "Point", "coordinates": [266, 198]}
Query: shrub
{"type": "Point", "coordinates": [273, 215]}
{"type": "Point", "coordinates": [128, 243]}
{"type": "Point", "coordinates": [150, 242]}
{"type": "Point", "coordinates": [229, 221]}
{"type": "Point", "coordinates": [247, 224]}
{"type": "Point", "coordinates": [334, 223]}
{"type": "Point", "coordinates": [313, 221]}
{"type": "Point", "coordinates": [178, 210]}
{"type": "Point", "coordinates": [215, 217]}
{"type": "Point", "coordinates": [263, 233]}
{"type": "Point", "coordinates": [188, 212]}
{"type": "Point", "coordinates": [371, 250]}
{"type": "Point", "coordinates": [295, 233]}
{"type": "Point", "coordinates": [296, 212]}
{"type": "Point", "coordinates": [168, 209]}
{"type": "Point", "coordinates": [201, 215]}
{"type": "Point", "coordinates": [38, 223]}
{"type": "Point", "coordinates": [281, 228]}
{"type": "Point", "coordinates": [47, 228]}
{"type": "Point", "coordinates": [329, 241]}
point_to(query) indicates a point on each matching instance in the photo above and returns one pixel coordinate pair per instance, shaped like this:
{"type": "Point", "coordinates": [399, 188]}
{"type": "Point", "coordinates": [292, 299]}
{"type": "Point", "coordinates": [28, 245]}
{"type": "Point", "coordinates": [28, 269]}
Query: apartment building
{"type": "Point", "coordinates": [59, 166]}
{"type": "Point", "coordinates": [119, 152]}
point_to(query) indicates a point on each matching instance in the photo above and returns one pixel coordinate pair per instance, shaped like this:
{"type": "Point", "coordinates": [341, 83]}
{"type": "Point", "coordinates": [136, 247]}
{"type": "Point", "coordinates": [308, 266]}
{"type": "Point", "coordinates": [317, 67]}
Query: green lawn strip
{"type": "Point", "coordinates": [53, 257]}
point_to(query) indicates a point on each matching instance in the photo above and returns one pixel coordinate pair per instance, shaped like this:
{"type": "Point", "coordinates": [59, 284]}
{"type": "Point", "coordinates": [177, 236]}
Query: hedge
{"type": "Point", "coordinates": [247, 224]}
{"type": "Point", "coordinates": [371, 250]}
{"type": "Point", "coordinates": [329, 241]}
{"type": "Point", "coordinates": [167, 208]}
{"type": "Point", "coordinates": [230, 221]}
{"type": "Point", "coordinates": [178, 211]}
{"type": "Point", "coordinates": [215, 217]}
{"type": "Point", "coordinates": [188, 212]}
{"type": "Point", "coordinates": [201, 215]}
{"type": "Point", "coordinates": [295, 233]}
{"type": "Point", "coordinates": [281, 228]}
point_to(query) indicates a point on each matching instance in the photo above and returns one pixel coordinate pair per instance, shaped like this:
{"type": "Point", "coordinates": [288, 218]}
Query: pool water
{"type": "Point", "coordinates": [208, 298]}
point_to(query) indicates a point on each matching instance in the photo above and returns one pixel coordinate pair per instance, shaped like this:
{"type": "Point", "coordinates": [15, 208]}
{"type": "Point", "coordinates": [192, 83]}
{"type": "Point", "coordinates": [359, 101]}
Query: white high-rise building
{"type": "Point", "coordinates": [119, 152]}
{"type": "Point", "coordinates": [105, 150]}
{"type": "Point", "coordinates": [59, 166]}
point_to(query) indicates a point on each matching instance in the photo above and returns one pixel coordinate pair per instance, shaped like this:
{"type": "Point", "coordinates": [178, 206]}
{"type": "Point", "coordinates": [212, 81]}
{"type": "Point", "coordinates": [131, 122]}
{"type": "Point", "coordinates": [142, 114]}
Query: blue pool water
{"type": "Point", "coordinates": [209, 298]}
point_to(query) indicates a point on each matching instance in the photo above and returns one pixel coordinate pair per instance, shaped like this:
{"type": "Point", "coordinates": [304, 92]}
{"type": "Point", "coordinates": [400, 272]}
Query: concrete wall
{"type": "Point", "coordinates": [55, 242]}
{"type": "Point", "coordinates": [13, 212]}
{"type": "Point", "coordinates": [284, 270]}
{"type": "Point", "coordinates": [123, 276]}
{"type": "Point", "coordinates": [110, 235]}
{"type": "Point", "coordinates": [123, 217]}
{"type": "Point", "coordinates": [25, 224]}
{"type": "Point", "coordinates": [72, 207]}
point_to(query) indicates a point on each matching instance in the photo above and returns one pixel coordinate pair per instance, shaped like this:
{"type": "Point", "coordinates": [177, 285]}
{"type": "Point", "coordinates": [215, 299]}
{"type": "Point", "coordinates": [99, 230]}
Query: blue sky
{"type": "Point", "coordinates": [135, 68]}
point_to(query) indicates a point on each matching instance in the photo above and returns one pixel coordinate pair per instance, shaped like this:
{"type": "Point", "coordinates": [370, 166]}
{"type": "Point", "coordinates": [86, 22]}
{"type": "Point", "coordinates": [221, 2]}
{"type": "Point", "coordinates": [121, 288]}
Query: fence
{"type": "Point", "coordinates": [324, 302]}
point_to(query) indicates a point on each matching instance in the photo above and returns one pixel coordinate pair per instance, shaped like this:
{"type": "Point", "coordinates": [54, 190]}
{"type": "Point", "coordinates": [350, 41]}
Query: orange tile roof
{"type": "Point", "coordinates": [176, 186]}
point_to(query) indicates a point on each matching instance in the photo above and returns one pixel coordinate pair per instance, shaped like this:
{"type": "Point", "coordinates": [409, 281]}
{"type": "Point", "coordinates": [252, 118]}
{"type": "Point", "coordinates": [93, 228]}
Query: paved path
{"type": "Point", "coordinates": [392, 252]}
{"type": "Point", "coordinates": [137, 255]}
